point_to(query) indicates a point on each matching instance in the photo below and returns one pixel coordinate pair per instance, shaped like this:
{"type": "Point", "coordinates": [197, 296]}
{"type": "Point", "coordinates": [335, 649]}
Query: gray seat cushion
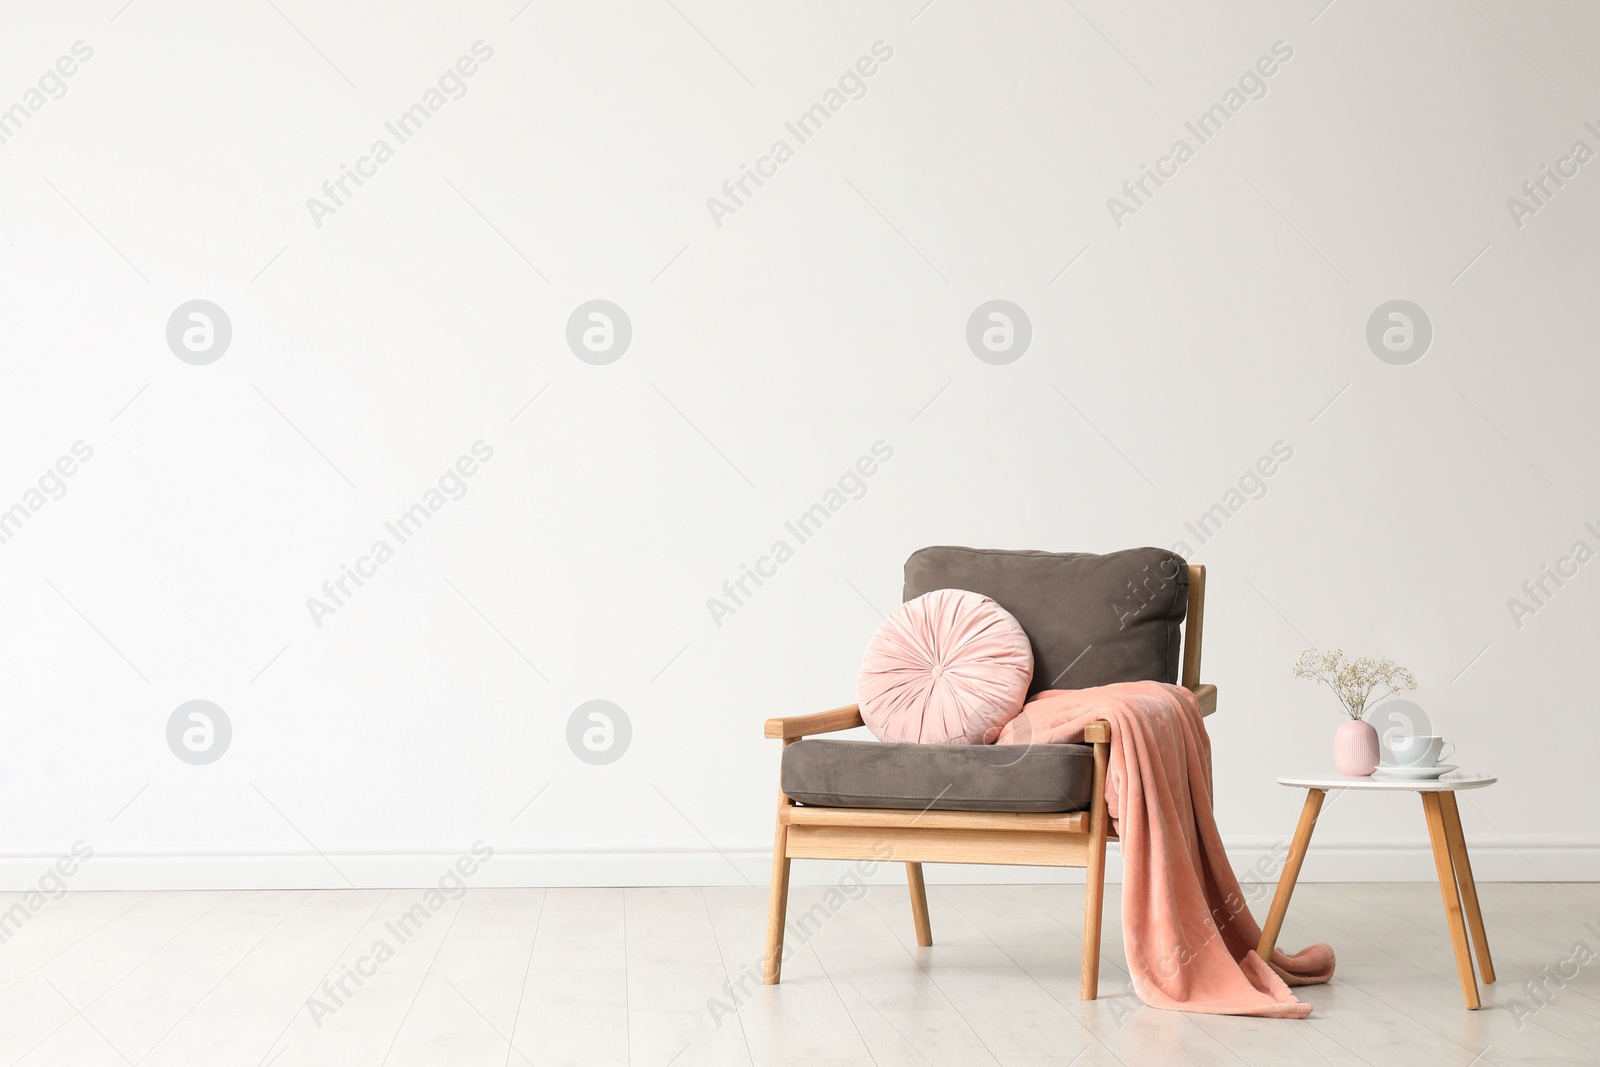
{"type": "Point", "coordinates": [879, 774]}
{"type": "Point", "coordinates": [1092, 619]}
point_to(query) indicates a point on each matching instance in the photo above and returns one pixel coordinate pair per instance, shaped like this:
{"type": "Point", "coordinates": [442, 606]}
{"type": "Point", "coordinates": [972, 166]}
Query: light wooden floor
{"type": "Point", "coordinates": [510, 977]}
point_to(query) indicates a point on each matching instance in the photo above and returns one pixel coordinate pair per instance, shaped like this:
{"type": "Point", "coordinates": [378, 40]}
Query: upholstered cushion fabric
{"type": "Point", "coordinates": [1092, 619]}
{"type": "Point", "coordinates": [880, 774]}
{"type": "Point", "coordinates": [947, 668]}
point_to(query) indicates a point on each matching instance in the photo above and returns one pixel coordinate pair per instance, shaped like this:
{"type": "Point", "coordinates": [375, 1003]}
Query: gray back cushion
{"type": "Point", "coordinates": [1092, 620]}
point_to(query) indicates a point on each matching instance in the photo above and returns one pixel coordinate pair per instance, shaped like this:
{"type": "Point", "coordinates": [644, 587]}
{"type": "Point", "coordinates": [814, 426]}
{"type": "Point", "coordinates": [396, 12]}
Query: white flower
{"type": "Point", "coordinates": [1353, 681]}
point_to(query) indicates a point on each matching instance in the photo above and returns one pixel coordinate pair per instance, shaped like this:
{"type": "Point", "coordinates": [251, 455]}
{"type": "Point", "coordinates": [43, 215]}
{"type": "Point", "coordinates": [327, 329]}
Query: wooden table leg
{"type": "Point", "coordinates": [1434, 810]}
{"type": "Point", "coordinates": [1291, 873]}
{"type": "Point", "coordinates": [1469, 888]}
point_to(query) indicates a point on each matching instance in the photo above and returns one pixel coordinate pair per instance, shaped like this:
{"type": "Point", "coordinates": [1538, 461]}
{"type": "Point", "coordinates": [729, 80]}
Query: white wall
{"type": "Point", "coordinates": [769, 352]}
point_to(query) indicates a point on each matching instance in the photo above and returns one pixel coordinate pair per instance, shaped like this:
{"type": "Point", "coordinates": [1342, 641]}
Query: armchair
{"type": "Point", "coordinates": [1042, 806]}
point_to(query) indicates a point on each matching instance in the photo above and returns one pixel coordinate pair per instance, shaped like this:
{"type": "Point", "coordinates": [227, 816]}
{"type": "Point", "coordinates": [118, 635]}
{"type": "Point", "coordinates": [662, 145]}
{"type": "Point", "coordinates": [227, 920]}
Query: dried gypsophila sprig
{"type": "Point", "coordinates": [1353, 680]}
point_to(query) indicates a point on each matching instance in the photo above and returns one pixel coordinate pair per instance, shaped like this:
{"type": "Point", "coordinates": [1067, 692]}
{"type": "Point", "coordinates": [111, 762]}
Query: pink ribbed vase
{"type": "Point", "coordinates": [1355, 748]}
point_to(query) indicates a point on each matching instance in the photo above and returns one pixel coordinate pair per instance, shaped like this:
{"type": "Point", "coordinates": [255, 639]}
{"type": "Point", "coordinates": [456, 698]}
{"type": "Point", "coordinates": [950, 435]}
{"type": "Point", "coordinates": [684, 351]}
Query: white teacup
{"type": "Point", "coordinates": [1415, 750]}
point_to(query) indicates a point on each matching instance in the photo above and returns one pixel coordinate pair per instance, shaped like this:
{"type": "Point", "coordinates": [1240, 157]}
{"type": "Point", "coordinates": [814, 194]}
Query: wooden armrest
{"type": "Point", "coordinates": [1097, 733]}
{"type": "Point", "coordinates": [822, 722]}
{"type": "Point", "coordinates": [1207, 696]}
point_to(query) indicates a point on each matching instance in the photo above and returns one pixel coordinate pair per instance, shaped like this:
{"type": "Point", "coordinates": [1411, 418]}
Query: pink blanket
{"type": "Point", "coordinates": [1190, 937]}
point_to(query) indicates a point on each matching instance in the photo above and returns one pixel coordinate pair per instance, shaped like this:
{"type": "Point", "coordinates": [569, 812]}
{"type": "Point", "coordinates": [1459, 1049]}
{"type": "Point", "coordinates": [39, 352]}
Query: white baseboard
{"type": "Point", "coordinates": [1349, 860]}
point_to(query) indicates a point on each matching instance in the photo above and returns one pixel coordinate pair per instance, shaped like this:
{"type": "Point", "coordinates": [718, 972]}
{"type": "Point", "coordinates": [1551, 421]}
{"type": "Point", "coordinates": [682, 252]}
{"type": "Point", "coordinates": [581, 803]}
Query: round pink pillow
{"type": "Point", "coordinates": [948, 668]}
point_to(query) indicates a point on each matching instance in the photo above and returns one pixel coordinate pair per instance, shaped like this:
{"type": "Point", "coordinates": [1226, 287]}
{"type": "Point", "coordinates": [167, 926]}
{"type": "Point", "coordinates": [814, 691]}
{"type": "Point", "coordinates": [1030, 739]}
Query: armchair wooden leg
{"type": "Point", "coordinates": [777, 899]}
{"type": "Point", "coordinates": [919, 904]}
{"type": "Point", "coordinates": [1094, 878]}
{"type": "Point", "coordinates": [1093, 911]}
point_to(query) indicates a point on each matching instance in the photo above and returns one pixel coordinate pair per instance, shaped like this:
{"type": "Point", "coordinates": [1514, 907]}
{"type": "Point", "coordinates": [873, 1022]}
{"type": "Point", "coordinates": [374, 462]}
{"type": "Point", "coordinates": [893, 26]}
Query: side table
{"type": "Point", "coordinates": [1449, 856]}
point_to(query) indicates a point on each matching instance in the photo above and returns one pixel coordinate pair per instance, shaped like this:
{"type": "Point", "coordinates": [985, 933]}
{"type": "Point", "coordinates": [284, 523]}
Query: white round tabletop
{"type": "Point", "coordinates": [1379, 781]}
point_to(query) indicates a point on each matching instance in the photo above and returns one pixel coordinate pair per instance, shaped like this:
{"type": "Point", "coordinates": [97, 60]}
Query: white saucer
{"type": "Point", "coordinates": [1418, 774]}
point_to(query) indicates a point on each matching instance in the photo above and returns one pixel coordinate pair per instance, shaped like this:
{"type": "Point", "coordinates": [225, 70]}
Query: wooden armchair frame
{"type": "Point", "coordinates": [1046, 839]}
